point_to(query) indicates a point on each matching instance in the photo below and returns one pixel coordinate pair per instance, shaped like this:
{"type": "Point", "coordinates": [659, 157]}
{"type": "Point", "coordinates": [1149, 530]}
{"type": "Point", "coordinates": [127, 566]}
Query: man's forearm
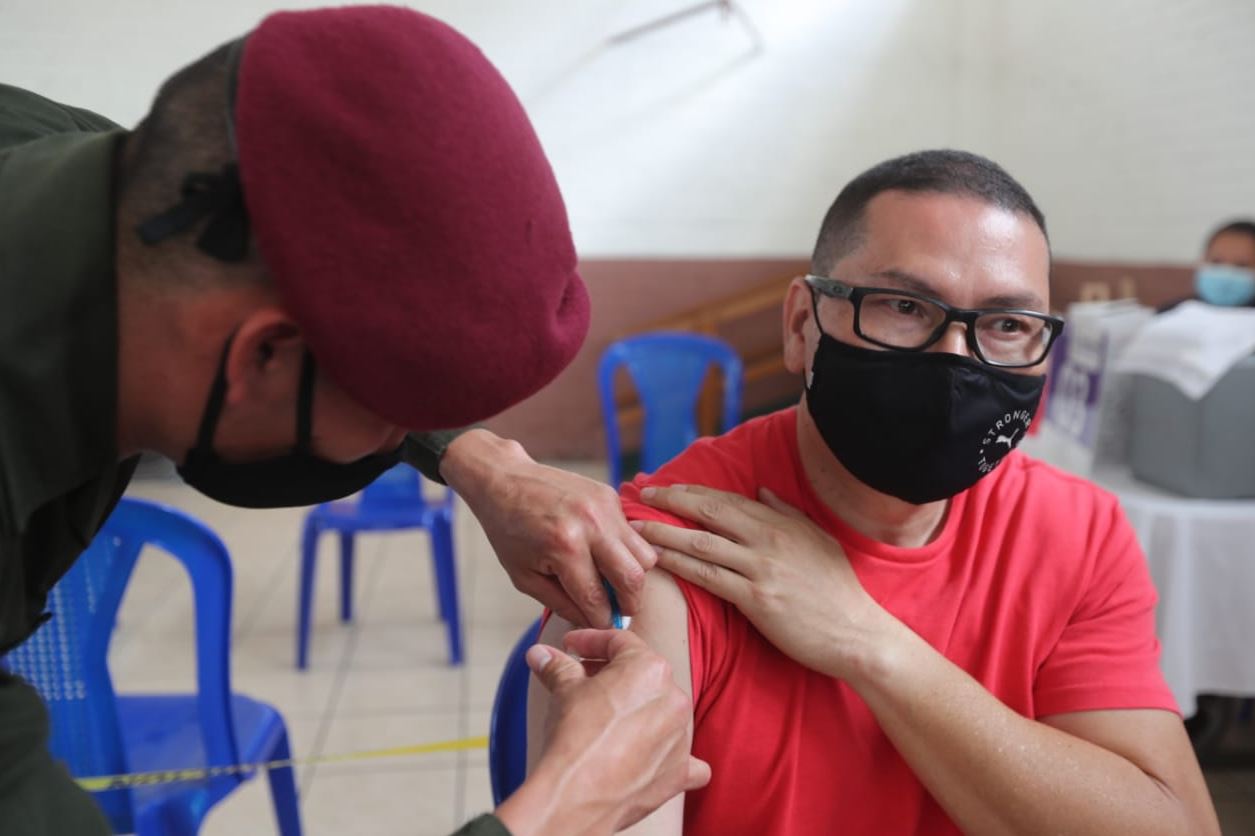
{"type": "Point", "coordinates": [543, 805]}
{"type": "Point", "coordinates": [993, 770]}
{"type": "Point", "coordinates": [471, 457]}
{"type": "Point", "coordinates": [524, 811]}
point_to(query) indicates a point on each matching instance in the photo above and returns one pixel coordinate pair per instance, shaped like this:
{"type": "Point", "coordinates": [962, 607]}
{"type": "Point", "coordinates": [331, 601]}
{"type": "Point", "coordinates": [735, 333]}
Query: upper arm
{"type": "Point", "coordinates": [1102, 682]}
{"type": "Point", "coordinates": [1106, 656]}
{"type": "Point", "coordinates": [1154, 741]}
{"type": "Point", "coordinates": [663, 623]}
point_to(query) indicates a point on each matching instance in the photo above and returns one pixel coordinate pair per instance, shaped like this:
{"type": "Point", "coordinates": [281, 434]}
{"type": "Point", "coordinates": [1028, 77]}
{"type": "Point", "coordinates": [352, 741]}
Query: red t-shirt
{"type": "Point", "coordinates": [1035, 586]}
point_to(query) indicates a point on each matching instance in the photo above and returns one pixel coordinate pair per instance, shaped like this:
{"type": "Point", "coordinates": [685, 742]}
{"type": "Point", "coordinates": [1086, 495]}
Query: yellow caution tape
{"type": "Point", "coordinates": [170, 776]}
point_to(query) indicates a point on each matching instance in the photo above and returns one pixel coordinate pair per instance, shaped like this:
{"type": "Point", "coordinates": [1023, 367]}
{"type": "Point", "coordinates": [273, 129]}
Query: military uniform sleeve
{"type": "Point", "coordinates": [25, 116]}
{"type": "Point", "coordinates": [423, 451]}
{"type": "Point", "coordinates": [14, 617]}
{"type": "Point", "coordinates": [485, 825]}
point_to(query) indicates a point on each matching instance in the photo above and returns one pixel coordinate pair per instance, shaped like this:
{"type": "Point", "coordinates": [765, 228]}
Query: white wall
{"type": "Point", "coordinates": [1132, 121]}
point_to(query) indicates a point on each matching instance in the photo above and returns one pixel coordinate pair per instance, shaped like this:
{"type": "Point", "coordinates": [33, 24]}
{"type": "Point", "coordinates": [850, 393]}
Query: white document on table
{"type": "Point", "coordinates": [1192, 346]}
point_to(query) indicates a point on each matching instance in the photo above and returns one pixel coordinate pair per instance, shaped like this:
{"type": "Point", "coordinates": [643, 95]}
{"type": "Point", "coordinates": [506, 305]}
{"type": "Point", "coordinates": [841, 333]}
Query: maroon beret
{"type": "Point", "coordinates": [401, 201]}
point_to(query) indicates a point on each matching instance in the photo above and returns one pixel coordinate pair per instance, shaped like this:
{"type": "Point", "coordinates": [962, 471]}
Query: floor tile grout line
{"type": "Point", "coordinates": [337, 686]}
{"type": "Point", "coordinates": [245, 625]}
{"type": "Point", "coordinates": [470, 585]}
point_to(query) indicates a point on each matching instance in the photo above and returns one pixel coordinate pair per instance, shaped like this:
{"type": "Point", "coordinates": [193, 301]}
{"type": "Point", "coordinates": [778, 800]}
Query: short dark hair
{"type": "Point", "coordinates": [1242, 226]}
{"type": "Point", "coordinates": [186, 130]}
{"type": "Point", "coordinates": [944, 171]}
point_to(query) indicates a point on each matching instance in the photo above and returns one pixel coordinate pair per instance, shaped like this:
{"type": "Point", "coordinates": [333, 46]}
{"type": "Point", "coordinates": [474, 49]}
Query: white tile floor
{"type": "Point", "coordinates": [382, 681]}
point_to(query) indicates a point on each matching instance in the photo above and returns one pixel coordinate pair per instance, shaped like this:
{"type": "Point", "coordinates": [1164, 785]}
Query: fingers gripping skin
{"type": "Point", "coordinates": [581, 537]}
{"type": "Point", "coordinates": [556, 533]}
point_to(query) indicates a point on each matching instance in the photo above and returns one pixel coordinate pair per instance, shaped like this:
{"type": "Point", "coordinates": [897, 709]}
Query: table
{"type": "Point", "coordinates": [1201, 554]}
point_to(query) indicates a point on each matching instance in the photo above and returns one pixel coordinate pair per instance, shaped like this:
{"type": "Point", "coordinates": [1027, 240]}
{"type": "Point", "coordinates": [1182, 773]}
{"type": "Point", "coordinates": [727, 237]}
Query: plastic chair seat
{"type": "Point", "coordinates": [164, 732]}
{"type": "Point", "coordinates": [95, 732]}
{"type": "Point", "coordinates": [393, 502]}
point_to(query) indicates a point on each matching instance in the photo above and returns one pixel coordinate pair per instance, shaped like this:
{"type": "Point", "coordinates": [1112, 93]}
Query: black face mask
{"type": "Point", "coordinates": [297, 478]}
{"type": "Point", "coordinates": [920, 426]}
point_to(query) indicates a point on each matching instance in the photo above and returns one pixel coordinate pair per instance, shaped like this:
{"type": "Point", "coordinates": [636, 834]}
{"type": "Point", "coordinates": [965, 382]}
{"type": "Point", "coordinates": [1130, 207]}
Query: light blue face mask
{"type": "Point", "coordinates": [1224, 284]}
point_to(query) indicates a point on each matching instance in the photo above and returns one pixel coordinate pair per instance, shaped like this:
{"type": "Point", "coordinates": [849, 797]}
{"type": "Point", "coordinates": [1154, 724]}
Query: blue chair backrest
{"type": "Point", "coordinates": [398, 485]}
{"type": "Point", "coordinates": [507, 729]}
{"type": "Point", "coordinates": [66, 660]}
{"type": "Point", "coordinates": [667, 369]}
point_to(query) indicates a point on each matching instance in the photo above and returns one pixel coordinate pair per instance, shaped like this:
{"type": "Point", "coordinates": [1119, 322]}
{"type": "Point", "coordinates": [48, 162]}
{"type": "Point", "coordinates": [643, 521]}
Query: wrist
{"type": "Point", "coordinates": [525, 812]}
{"type": "Point", "coordinates": [544, 805]}
{"type": "Point", "coordinates": [474, 456]}
{"type": "Point", "coordinates": [872, 651]}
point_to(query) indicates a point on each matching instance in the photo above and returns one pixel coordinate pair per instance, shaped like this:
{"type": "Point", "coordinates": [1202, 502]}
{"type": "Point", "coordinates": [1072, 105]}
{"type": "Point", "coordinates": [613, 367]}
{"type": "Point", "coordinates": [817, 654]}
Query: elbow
{"type": "Point", "coordinates": [1190, 814]}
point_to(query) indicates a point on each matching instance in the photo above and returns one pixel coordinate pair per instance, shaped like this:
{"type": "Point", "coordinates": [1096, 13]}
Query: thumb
{"type": "Point", "coordinates": [698, 774]}
{"type": "Point", "coordinates": [774, 502]}
{"type": "Point", "coordinates": [553, 668]}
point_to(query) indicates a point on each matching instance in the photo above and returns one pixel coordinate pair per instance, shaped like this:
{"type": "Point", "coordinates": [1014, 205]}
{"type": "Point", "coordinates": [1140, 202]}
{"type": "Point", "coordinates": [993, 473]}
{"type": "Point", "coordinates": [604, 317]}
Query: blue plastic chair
{"type": "Point", "coordinates": [96, 732]}
{"type": "Point", "coordinates": [668, 369]}
{"type": "Point", "coordinates": [507, 729]}
{"type": "Point", "coordinates": [393, 502]}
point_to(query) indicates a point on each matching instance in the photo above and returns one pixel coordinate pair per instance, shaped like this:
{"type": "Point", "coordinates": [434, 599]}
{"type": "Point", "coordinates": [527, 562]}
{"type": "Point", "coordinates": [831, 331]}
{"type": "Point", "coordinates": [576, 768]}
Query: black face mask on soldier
{"type": "Point", "coordinates": [920, 426]}
{"type": "Point", "coordinates": [296, 478]}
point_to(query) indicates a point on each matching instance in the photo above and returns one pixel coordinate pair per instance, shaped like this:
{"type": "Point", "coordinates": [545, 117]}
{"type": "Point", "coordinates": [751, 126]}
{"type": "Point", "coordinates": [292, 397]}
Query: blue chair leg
{"type": "Point", "coordinates": [442, 604]}
{"type": "Point", "coordinates": [309, 553]}
{"type": "Point", "coordinates": [445, 569]}
{"type": "Point", "coordinates": [283, 790]}
{"type": "Point", "coordinates": [346, 576]}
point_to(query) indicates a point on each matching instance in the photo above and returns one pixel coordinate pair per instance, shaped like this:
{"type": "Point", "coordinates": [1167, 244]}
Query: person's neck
{"type": "Point", "coordinates": [169, 345]}
{"type": "Point", "coordinates": [871, 513]}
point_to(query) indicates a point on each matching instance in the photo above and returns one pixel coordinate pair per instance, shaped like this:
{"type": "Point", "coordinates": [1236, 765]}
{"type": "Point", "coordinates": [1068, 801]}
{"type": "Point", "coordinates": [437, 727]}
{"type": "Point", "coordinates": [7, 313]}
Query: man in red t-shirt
{"type": "Point", "coordinates": [889, 622]}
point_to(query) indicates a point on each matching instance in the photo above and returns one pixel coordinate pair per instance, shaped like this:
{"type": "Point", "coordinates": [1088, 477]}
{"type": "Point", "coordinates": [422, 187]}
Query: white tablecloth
{"type": "Point", "coordinates": [1202, 558]}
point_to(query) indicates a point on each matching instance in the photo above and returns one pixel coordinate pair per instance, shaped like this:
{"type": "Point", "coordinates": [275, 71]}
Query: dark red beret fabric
{"type": "Point", "coordinates": [401, 200]}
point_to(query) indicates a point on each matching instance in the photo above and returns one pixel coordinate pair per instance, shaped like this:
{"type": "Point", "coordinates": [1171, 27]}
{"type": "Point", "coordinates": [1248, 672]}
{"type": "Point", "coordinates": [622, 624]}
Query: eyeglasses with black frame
{"type": "Point", "coordinates": [899, 319]}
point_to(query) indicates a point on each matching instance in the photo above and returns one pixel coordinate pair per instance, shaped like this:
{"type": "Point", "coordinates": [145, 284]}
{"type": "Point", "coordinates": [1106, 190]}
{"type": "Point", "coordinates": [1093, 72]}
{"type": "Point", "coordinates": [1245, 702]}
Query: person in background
{"type": "Point", "coordinates": [1227, 275]}
{"type": "Point", "coordinates": [326, 245]}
